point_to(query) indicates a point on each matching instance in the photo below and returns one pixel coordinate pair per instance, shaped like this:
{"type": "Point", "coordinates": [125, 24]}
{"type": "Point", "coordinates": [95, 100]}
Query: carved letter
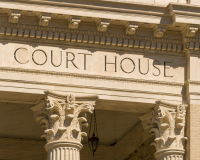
{"type": "Point", "coordinates": [72, 60]}
{"type": "Point", "coordinates": [156, 68]}
{"type": "Point", "coordinates": [52, 59]}
{"type": "Point", "coordinates": [140, 69]}
{"type": "Point", "coordinates": [111, 63]}
{"type": "Point", "coordinates": [21, 55]}
{"type": "Point", "coordinates": [165, 67]}
{"type": "Point", "coordinates": [131, 61]}
{"type": "Point", "coordinates": [85, 55]}
{"type": "Point", "coordinates": [39, 57]}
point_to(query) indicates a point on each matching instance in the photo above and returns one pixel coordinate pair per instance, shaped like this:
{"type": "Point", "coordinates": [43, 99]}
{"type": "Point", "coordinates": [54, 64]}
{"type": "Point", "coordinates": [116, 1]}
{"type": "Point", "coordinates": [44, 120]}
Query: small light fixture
{"type": "Point", "coordinates": [94, 140]}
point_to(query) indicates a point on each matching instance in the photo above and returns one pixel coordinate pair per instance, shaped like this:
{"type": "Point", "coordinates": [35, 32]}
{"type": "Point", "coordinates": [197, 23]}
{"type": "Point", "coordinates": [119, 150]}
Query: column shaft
{"type": "Point", "coordinates": [64, 153]}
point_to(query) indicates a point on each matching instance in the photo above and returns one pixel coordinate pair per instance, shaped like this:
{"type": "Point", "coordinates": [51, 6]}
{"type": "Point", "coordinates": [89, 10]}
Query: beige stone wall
{"type": "Point", "coordinates": [193, 133]}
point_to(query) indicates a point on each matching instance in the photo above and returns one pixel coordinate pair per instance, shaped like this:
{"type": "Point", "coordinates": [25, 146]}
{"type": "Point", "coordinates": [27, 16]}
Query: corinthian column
{"type": "Point", "coordinates": [63, 118]}
{"type": "Point", "coordinates": [167, 122]}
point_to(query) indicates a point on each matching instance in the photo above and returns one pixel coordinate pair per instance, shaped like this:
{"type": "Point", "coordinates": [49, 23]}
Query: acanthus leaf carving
{"type": "Point", "coordinates": [63, 117]}
{"type": "Point", "coordinates": [167, 122]}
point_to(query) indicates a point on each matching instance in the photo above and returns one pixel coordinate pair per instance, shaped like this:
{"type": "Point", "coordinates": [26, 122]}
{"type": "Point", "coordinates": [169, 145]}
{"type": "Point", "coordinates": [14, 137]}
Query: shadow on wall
{"type": "Point", "coordinates": [144, 152]}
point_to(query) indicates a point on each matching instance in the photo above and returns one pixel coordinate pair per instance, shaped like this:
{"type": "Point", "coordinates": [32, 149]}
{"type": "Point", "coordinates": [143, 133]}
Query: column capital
{"type": "Point", "coordinates": [167, 122]}
{"type": "Point", "coordinates": [63, 117]}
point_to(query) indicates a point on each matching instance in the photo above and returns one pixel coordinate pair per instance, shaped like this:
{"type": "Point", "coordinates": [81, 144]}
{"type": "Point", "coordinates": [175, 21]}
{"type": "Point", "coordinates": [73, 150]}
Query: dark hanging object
{"type": "Point", "coordinates": [94, 140]}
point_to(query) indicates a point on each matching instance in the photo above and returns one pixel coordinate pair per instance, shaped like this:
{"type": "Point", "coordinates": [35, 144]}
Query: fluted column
{"type": "Point", "coordinates": [167, 122]}
{"type": "Point", "coordinates": [63, 118]}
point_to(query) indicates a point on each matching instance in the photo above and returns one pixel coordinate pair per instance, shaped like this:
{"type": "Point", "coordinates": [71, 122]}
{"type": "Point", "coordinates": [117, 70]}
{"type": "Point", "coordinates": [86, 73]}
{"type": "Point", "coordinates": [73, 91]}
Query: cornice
{"type": "Point", "coordinates": [81, 38]}
{"type": "Point", "coordinates": [154, 44]}
{"type": "Point", "coordinates": [110, 5]}
{"type": "Point", "coordinates": [183, 5]}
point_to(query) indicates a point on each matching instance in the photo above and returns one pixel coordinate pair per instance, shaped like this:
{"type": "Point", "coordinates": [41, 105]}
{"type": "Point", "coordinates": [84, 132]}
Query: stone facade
{"type": "Point", "coordinates": [135, 62]}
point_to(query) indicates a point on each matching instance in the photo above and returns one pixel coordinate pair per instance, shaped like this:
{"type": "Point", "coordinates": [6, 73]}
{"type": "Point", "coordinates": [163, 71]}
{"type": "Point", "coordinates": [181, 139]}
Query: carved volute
{"type": "Point", "coordinates": [63, 118]}
{"type": "Point", "coordinates": [167, 122]}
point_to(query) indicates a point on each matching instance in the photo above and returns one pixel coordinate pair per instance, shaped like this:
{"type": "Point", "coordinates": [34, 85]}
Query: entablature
{"type": "Point", "coordinates": [141, 26]}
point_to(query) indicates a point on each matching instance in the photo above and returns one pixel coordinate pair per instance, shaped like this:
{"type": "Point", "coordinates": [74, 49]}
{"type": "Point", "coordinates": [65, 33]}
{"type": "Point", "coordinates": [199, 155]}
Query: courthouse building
{"type": "Point", "coordinates": [136, 63]}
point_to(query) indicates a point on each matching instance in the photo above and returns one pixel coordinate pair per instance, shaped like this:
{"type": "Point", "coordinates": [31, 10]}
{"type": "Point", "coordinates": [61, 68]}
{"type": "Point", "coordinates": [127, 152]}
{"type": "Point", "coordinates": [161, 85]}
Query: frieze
{"type": "Point", "coordinates": [90, 63]}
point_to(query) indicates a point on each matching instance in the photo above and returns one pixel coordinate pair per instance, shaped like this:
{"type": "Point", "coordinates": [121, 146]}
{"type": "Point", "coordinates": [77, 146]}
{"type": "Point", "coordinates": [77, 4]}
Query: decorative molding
{"type": "Point", "coordinates": [191, 82]}
{"type": "Point", "coordinates": [97, 77]}
{"type": "Point", "coordinates": [159, 31]}
{"type": "Point", "coordinates": [131, 28]}
{"type": "Point", "coordinates": [13, 16]}
{"type": "Point", "coordinates": [44, 20]}
{"type": "Point", "coordinates": [73, 22]}
{"type": "Point", "coordinates": [102, 25]}
{"type": "Point", "coordinates": [167, 122]}
{"type": "Point", "coordinates": [63, 117]}
{"type": "Point", "coordinates": [191, 31]}
{"type": "Point", "coordinates": [79, 38]}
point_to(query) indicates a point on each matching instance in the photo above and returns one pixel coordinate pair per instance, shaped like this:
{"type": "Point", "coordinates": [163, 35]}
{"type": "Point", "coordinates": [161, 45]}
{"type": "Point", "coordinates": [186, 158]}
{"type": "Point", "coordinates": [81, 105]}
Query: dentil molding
{"type": "Point", "coordinates": [101, 36]}
{"type": "Point", "coordinates": [109, 40]}
{"type": "Point", "coordinates": [167, 122]}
